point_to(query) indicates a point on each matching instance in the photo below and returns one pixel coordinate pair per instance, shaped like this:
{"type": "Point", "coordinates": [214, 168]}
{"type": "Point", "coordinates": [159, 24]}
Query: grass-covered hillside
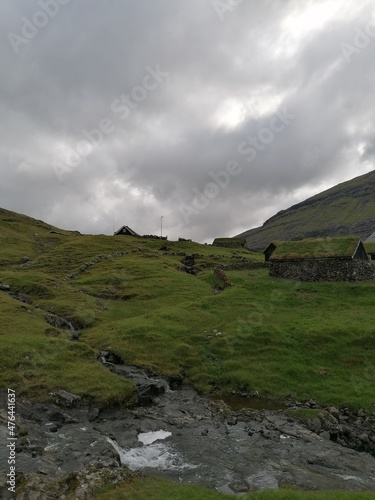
{"type": "Point", "coordinates": [132, 297]}
{"type": "Point", "coordinates": [345, 209]}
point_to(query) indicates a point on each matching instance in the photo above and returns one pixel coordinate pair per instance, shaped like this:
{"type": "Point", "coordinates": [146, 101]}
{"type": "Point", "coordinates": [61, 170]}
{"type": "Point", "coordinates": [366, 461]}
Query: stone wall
{"type": "Point", "coordinates": [229, 242]}
{"type": "Point", "coordinates": [323, 270]}
{"type": "Point", "coordinates": [244, 264]}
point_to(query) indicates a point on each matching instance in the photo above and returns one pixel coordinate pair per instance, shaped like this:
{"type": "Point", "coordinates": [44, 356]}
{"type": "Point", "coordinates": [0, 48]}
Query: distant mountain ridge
{"type": "Point", "coordinates": [345, 209]}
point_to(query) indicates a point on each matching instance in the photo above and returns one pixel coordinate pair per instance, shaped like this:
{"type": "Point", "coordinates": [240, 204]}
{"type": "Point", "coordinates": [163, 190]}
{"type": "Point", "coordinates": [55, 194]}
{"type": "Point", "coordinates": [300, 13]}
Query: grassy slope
{"type": "Point", "coordinates": [273, 336]}
{"type": "Point", "coordinates": [160, 489]}
{"type": "Point", "coordinates": [345, 209]}
{"type": "Point", "coordinates": [278, 337]}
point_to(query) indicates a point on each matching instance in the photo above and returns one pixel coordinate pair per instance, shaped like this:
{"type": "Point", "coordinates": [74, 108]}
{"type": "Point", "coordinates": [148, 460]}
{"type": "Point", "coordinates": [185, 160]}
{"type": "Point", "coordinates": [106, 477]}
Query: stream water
{"type": "Point", "coordinates": [183, 436]}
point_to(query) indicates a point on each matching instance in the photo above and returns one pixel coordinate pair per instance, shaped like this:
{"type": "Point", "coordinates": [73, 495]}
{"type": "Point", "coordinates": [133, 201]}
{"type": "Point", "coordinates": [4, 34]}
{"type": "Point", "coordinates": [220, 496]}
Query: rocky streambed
{"type": "Point", "coordinates": [180, 435]}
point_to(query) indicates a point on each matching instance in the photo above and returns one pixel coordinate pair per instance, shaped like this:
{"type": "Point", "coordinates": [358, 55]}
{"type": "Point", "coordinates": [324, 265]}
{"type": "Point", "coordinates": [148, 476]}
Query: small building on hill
{"type": "Point", "coordinates": [229, 242]}
{"type": "Point", "coordinates": [126, 231]}
{"type": "Point", "coordinates": [320, 259]}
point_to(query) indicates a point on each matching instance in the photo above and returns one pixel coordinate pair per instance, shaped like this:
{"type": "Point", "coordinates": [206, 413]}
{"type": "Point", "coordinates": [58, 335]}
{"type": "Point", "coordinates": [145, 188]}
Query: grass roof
{"type": "Point", "coordinates": [315, 248]}
{"type": "Point", "coordinates": [370, 247]}
{"type": "Point", "coordinates": [230, 239]}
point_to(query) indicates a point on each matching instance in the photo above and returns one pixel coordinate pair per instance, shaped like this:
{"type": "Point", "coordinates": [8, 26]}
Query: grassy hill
{"type": "Point", "coordinates": [346, 209]}
{"type": "Point", "coordinates": [127, 295]}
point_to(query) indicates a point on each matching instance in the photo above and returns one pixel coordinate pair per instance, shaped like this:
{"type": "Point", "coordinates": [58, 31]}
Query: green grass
{"type": "Point", "coordinates": [278, 337]}
{"type": "Point", "coordinates": [370, 247]}
{"type": "Point", "coordinates": [315, 248]}
{"type": "Point", "coordinates": [161, 489]}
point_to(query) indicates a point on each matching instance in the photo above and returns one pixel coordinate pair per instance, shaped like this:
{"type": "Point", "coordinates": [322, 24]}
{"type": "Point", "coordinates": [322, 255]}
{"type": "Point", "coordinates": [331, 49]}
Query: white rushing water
{"type": "Point", "coordinates": [152, 454]}
{"type": "Point", "coordinates": [151, 437]}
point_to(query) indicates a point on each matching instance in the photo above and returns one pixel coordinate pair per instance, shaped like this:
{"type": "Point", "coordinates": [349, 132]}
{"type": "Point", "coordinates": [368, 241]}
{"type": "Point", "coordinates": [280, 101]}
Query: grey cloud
{"type": "Point", "coordinates": [68, 76]}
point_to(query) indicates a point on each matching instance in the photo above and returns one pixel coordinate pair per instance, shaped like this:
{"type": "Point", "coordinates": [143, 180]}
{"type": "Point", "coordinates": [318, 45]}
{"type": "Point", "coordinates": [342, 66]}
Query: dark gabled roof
{"type": "Point", "coordinates": [316, 248]}
{"type": "Point", "coordinates": [126, 229]}
{"type": "Point", "coordinates": [271, 246]}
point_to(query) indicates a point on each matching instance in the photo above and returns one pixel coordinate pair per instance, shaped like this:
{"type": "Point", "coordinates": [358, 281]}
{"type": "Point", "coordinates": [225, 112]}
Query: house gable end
{"type": "Point", "coordinates": [360, 252]}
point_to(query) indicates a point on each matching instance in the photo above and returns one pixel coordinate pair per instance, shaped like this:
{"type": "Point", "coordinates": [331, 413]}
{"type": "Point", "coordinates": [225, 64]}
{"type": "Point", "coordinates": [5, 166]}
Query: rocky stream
{"type": "Point", "coordinates": [175, 433]}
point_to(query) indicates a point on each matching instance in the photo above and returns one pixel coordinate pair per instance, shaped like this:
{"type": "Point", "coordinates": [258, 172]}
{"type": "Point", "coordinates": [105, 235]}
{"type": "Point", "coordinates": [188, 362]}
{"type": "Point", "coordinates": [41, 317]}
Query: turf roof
{"type": "Point", "coordinates": [370, 247]}
{"type": "Point", "coordinates": [315, 248]}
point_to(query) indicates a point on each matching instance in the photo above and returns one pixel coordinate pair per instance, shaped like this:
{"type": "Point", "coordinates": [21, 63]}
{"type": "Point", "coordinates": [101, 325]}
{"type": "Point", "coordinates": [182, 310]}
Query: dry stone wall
{"type": "Point", "coordinates": [323, 270]}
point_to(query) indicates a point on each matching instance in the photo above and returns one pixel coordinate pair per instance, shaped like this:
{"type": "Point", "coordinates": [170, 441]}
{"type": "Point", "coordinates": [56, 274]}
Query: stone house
{"type": "Point", "coordinates": [229, 242]}
{"type": "Point", "coordinates": [320, 259]}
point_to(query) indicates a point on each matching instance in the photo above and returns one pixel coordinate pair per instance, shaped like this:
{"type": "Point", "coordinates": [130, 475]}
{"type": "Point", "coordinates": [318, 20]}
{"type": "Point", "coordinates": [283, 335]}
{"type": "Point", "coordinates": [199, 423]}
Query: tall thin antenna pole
{"type": "Point", "coordinates": [161, 226]}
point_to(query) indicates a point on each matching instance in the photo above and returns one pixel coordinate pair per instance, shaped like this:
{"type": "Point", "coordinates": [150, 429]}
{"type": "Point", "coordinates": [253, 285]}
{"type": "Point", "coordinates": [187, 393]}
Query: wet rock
{"type": "Point", "coordinates": [346, 431]}
{"type": "Point", "coordinates": [58, 322]}
{"type": "Point", "coordinates": [110, 357]}
{"type": "Point", "coordinates": [21, 297]}
{"type": "Point", "coordinates": [327, 420]}
{"type": "Point", "coordinates": [239, 487]}
{"type": "Point", "coordinates": [364, 438]}
{"type": "Point", "coordinates": [93, 414]}
{"type": "Point", "coordinates": [262, 480]}
{"type": "Point", "coordinates": [66, 399]}
{"type": "Point", "coordinates": [56, 416]}
{"type": "Point", "coordinates": [325, 435]}
{"type": "Point", "coordinates": [232, 420]}
{"type": "Point", "coordinates": [225, 489]}
{"type": "Point", "coordinates": [149, 389]}
{"type": "Point", "coordinates": [175, 381]}
{"type": "Point", "coordinates": [82, 485]}
{"type": "Point", "coordinates": [334, 412]}
{"type": "Point", "coordinates": [314, 425]}
{"type": "Point", "coordinates": [312, 404]}
{"type": "Point", "coordinates": [263, 450]}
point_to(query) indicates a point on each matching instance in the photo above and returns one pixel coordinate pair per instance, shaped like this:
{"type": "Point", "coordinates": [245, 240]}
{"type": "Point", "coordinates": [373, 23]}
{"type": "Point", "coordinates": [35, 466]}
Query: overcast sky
{"type": "Point", "coordinates": [214, 114]}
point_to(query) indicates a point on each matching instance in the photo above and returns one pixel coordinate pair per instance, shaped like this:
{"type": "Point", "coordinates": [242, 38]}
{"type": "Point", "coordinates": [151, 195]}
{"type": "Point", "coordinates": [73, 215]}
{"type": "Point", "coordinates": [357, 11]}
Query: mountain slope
{"type": "Point", "coordinates": [345, 209]}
